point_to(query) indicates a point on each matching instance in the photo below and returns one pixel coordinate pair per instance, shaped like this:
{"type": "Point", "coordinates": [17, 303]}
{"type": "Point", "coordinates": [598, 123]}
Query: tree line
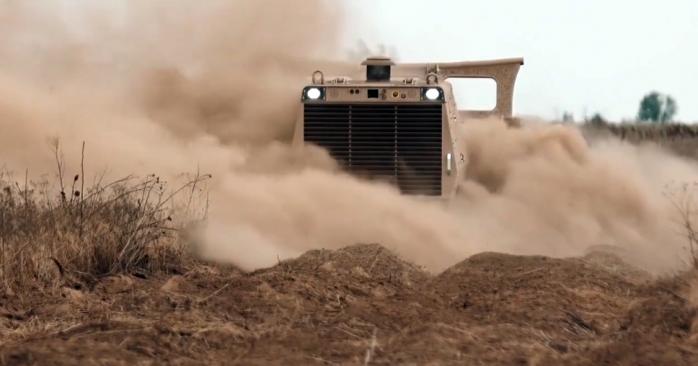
{"type": "Point", "coordinates": [655, 107]}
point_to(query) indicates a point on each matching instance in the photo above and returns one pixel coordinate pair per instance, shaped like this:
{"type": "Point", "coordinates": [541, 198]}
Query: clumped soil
{"type": "Point", "coordinates": [362, 305]}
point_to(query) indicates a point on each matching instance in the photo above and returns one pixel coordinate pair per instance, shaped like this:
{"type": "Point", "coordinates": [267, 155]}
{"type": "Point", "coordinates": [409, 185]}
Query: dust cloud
{"type": "Point", "coordinates": [535, 190]}
{"type": "Point", "coordinates": [171, 87]}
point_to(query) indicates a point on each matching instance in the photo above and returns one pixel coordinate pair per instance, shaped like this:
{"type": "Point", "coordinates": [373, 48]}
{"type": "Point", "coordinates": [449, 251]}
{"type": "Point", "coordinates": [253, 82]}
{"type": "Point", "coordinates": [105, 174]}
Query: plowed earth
{"type": "Point", "coordinates": [362, 305]}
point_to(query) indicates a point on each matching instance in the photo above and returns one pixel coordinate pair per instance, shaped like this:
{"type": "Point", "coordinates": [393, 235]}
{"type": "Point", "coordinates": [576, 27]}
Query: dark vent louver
{"type": "Point", "coordinates": [399, 143]}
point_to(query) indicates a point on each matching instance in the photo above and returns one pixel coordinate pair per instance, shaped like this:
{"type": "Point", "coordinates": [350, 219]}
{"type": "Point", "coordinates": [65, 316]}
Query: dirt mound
{"type": "Point", "coordinates": [579, 297]}
{"type": "Point", "coordinates": [362, 304]}
{"type": "Point", "coordinates": [363, 261]}
{"type": "Point", "coordinates": [658, 328]}
{"type": "Point", "coordinates": [609, 259]}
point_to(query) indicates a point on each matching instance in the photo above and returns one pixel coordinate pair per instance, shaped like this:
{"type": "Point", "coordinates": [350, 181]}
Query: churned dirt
{"type": "Point", "coordinates": [362, 305]}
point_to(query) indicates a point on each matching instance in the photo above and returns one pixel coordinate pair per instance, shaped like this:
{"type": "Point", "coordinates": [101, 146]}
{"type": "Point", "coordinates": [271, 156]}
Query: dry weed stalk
{"type": "Point", "coordinates": [129, 225]}
{"type": "Point", "coordinates": [682, 199]}
{"type": "Point", "coordinates": [372, 348]}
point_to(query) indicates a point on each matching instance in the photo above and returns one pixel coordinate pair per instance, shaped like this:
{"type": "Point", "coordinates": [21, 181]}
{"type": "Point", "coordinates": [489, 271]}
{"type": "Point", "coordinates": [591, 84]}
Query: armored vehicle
{"type": "Point", "coordinates": [398, 123]}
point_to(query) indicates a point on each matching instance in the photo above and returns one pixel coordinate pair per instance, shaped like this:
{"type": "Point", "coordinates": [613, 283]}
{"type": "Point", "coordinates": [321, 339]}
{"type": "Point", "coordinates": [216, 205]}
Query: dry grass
{"type": "Point", "coordinates": [680, 138]}
{"type": "Point", "coordinates": [683, 198]}
{"type": "Point", "coordinates": [51, 235]}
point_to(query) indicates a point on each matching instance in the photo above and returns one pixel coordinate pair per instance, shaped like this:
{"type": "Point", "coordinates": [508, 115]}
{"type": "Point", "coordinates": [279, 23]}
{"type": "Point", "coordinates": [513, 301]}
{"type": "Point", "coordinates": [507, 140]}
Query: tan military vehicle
{"type": "Point", "coordinates": [398, 124]}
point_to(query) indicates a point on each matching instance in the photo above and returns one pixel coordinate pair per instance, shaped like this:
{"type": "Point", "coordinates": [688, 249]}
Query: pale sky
{"type": "Point", "coordinates": [593, 55]}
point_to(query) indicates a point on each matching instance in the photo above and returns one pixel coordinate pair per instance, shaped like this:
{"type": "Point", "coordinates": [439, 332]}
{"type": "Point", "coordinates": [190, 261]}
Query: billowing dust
{"type": "Point", "coordinates": [174, 87]}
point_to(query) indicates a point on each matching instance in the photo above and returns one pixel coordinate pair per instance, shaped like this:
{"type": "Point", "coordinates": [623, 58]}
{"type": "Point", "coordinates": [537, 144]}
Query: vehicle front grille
{"type": "Point", "coordinates": [400, 143]}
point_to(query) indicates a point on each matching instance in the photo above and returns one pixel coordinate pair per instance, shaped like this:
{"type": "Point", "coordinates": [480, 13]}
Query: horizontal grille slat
{"type": "Point", "coordinates": [397, 143]}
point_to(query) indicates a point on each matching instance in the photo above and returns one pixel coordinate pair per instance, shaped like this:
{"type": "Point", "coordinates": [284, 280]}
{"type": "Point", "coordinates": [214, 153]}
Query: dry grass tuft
{"type": "Point", "coordinates": [54, 236]}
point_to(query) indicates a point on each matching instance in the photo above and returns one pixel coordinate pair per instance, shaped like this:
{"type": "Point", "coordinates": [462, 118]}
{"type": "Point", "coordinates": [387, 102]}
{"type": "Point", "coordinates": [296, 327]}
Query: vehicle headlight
{"type": "Point", "coordinates": [432, 94]}
{"type": "Point", "coordinates": [313, 93]}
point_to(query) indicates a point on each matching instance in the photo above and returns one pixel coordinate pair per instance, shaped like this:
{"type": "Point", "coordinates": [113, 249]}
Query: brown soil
{"type": "Point", "coordinates": [358, 305]}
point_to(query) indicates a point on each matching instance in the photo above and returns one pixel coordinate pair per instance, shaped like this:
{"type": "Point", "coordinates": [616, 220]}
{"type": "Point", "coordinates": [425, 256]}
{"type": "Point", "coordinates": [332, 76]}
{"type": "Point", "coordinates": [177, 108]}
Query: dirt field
{"type": "Point", "coordinates": [357, 305]}
{"type": "Point", "coordinates": [362, 305]}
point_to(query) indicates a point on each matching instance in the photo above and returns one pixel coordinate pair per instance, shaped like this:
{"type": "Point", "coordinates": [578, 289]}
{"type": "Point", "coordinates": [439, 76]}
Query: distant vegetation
{"type": "Point", "coordinates": [598, 120]}
{"type": "Point", "coordinates": [654, 107]}
{"type": "Point", "coordinates": [657, 108]}
{"type": "Point", "coordinates": [676, 137]}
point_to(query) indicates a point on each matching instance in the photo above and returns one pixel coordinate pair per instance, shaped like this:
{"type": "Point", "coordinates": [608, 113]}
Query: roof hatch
{"type": "Point", "coordinates": [378, 68]}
